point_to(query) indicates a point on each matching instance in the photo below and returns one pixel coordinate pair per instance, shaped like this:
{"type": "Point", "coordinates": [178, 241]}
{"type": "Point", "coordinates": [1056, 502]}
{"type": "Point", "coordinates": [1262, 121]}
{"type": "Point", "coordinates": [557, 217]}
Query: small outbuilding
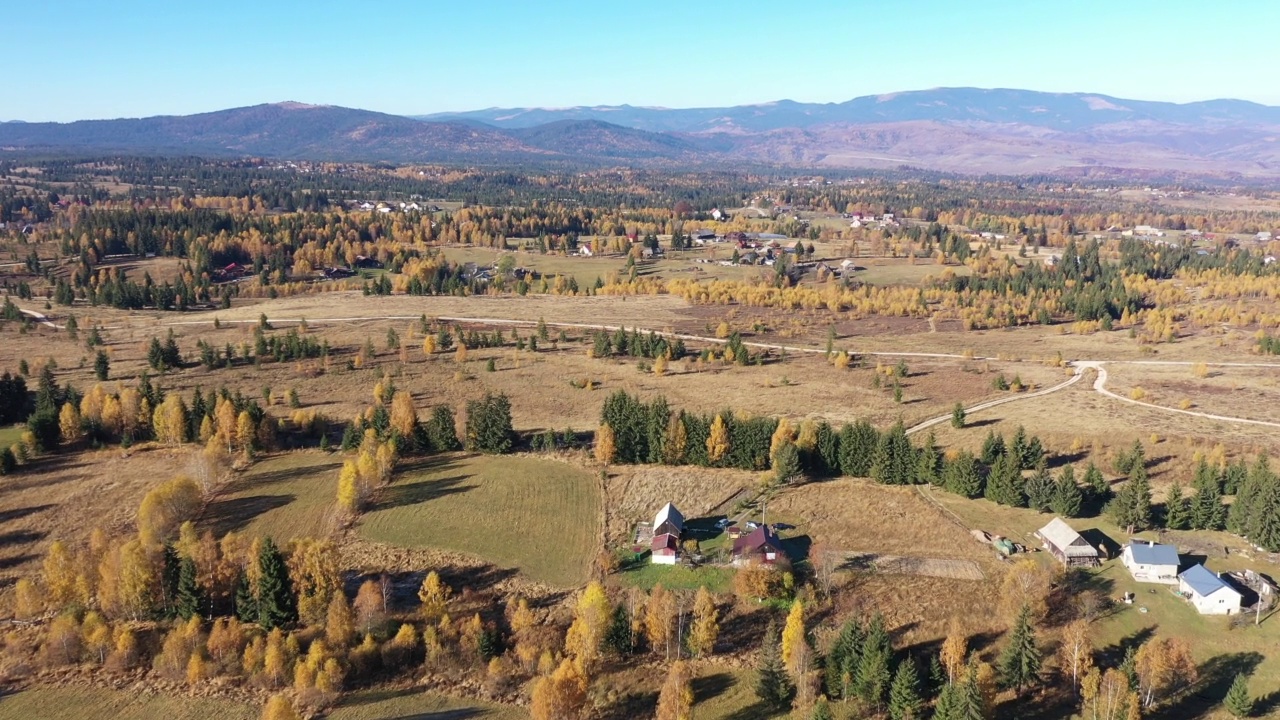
{"type": "Point", "coordinates": [1067, 545]}
{"type": "Point", "coordinates": [1208, 593]}
{"type": "Point", "coordinates": [1150, 562]}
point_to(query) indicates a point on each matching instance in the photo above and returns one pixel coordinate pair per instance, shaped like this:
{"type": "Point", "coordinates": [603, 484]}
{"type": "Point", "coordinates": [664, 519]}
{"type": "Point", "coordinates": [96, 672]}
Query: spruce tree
{"type": "Point", "coordinates": [842, 659]}
{"type": "Point", "coordinates": [246, 604]}
{"type": "Point", "coordinates": [1004, 483]}
{"type": "Point", "coordinates": [1040, 490]}
{"type": "Point", "coordinates": [1068, 499]}
{"type": "Point", "coordinates": [169, 575]}
{"type": "Point", "coordinates": [1131, 507]}
{"type": "Point", "coordinates": [894, 459]}
{"type": "Point", "coordinates": [277, 603]}
{"type": "Point", "coordinates": [1207, 510]}
{"type": "Point", "coordinates": [1019, 663]}
{"type": "Point", "coordinates": [961, 475]}
{"type": "Point", "coordinates": [821, 711]}
{"type": "Point", "coordinates": [871, 681]}
{"type": "Point", "coordinates": [904, 692]}
{"type": "Point", "coordinates": [189, 598]}
{"type": "Point", "coordinates": [1237, 702]}
{"type": "Point", "coordinates": [1177, 514]}
{"type": "Point", "coordinates": [1097, 484]}
{"type": "Point", "coordinates": [949, 702]}
{"type": "Point", "coordinates": [101, 366]}
{"type": "Point", "coordinates": [773, 687]}
{"type": "Point", "coordinates": [992, 448]}
{"type": "Point", "coordinates": [1018, 446]}
{"type": "Point", "coordinates": [929, 462]}
{"type": "Point", "coordinates": [971, 705]}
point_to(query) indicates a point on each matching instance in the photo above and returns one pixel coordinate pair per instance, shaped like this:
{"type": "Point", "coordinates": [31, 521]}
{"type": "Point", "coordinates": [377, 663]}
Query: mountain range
{"type": "Point", "coordinates": [965, 130]}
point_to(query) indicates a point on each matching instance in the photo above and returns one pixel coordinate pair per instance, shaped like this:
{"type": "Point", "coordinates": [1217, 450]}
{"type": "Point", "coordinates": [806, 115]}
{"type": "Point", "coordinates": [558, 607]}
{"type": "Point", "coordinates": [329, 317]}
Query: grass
{"type": "Point", "coordinates": [285, 496]}
{"type": "Point", "coordinates": [679, 577]}
{"type": "Point", "coordinates": [75, 703]}
{"type": "Point", "coordinates": [539, 516]}
{"type": "Point", "coordinates": [10, 435]}
{"type": "Point", "coordinates": [382, 705]}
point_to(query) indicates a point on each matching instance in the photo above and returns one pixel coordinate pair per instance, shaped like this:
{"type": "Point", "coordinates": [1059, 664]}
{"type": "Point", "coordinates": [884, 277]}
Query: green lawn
{"type": "Point", "coordinates": [10, 435]}
{"type": "Point", "coordinates": [75, 703]}
{"type": "Point", "coordinates": [540, 516]}
{"type": "Point", "coordinates": [678, 577]}
{"type": "Point", "coordinates": [285, 496]}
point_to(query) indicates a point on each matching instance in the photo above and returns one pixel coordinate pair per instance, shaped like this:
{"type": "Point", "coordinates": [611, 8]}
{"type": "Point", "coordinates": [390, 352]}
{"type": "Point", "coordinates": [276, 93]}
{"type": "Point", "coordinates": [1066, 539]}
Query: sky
{"type": "Point", "coordinates": [93, 59]}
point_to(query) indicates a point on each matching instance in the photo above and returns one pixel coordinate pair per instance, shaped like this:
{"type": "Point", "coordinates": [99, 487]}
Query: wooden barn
{"type": "Point", "coordinates": [1067, 545]}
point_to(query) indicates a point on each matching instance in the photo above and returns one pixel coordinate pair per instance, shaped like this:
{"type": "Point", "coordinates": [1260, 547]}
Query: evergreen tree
{"type": "Point", "coordinates": [1238, 702]}
{"type": "Point", "coordinates": [904, 692]}
{"type": "Point", "coordinates": [1177, 513]}
{"type": "Point", "coordinates": [619, 637]}
{"type": "Point", "coordinates": [821, 711]}
{"type": "Point", "coordinates": [1004, 482]}
{"type": "Point", "coordinates": [1040, 490]}
{"type": "Point", "coordinates": [1018, 446]}
{"type": "Point", "coordinates": [842, 660]}
{"type": "Point", "coordinates": [489, 425]}
{"type": "Point", "coordinates": [773, 687]}
{"type": "Point", "coordinates": [189, 597]}
{"type": "Point", "coordinates": [971, 705]}
{"type": "Point", "coordinates": [101, 366]}
{"type": "Point", "coordinates": [894, 461]}
{"type": "Point", "coordinates": [992, 448]}
{"type": "Point", "coordinates": [170, 570]}
{"type": "Point", "coordinates": [1131, 507]}
{"type": "Point", "coordinates": [277, 603]}
{"type": "Point", "coordinates": [949, 703]}
{"type": "Point", "coordinates": [962, 476]}
{"type": "Point", "coordinates": [1068, 499]}
{"type": "Point", "coordinates": [929, 462]}
{"type": "Point", "coordinates": [871, 682]}
{"type": "Point", "coordinates": [246, 604]}
{"type": "Point", "coordinates": [1207, 510]}
{"type": "Point", "coordinates": [441, 430]}
{"type": "Point", "coordinates": [1019, 662]}
{"type": "Point", "coordinates": [857, 446]}
{"type": "Point", "coordinates": [957, 416]}
{"type": "Point", "coordinates": [1097, 484]}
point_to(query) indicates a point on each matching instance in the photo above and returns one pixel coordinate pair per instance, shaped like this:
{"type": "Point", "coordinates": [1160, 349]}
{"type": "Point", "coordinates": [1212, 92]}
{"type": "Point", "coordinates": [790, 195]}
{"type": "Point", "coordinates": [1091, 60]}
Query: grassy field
{"type": "Point", "coordinates": [540, 516]}
{"type": "Point", "coordinates": [678, 577]}
{"type": "Point", "coordinates": [10, 435]}
{"type": "Point", "coordinates": [94, 703]}
{"type": "Point", "coordinates": [286, 496]}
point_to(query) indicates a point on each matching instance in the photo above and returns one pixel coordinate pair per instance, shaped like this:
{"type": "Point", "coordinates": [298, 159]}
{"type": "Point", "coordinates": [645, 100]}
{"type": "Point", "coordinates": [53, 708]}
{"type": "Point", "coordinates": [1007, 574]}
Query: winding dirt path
{"type": "Point", "coordinates": [1099, 384]}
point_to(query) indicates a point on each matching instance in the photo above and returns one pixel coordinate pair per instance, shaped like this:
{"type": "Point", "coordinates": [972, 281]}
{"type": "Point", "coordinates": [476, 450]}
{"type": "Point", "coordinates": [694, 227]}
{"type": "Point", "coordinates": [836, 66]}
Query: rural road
{"type": "Point", "coordinates": [1099, 384]}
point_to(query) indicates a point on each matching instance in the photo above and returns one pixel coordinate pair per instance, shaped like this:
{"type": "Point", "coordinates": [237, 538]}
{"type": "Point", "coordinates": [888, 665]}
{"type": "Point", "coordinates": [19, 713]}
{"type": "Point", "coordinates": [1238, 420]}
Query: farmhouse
{"type": "Point", "coordinates": [665, 549]}
{"type": "Point", "coordinates": [1208, 593]}
{"type": "Point", "coordinates": [760, 546]}
{"type": "Point", "coordinates": [668, 526]}
{"type": "Point", "coordinates": [668, 521]}
{"type": "Point", "coordinates": [1149, 562]}
{"type": "Point", "coordinates": [1066, 545]}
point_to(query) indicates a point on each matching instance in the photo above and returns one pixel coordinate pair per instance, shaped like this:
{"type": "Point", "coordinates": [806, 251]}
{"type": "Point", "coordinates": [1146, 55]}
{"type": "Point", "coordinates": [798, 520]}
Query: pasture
{"type": "Point", "coordinates": [539, 516]}
{"type": "Point", "coordinates": [285, 496]}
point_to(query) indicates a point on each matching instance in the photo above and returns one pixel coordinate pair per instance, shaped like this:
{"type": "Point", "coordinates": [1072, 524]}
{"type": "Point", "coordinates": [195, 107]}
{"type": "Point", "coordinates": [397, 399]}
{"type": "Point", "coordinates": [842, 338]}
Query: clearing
{"type": "Point", "coordinates": [540, 516]}
{"type": "Point", "coordinates": [285, 496]}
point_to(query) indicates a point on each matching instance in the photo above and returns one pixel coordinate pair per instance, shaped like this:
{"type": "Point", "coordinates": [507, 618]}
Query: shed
{"type": "Point", "coordinates": [668, 521]}
{"type": "Point", "coordinates": [1067, 545]}
{"type": "Point", "coordinates": [1208, 593]}
{"type": "Point", "coordinates": [1149, 562]}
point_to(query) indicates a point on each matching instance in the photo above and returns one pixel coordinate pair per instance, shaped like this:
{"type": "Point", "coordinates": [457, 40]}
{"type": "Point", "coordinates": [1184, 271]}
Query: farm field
{"type": "Point", "coordinates": [540, 516]}
{"type": "Point", "coordinates": [82, 703]}
{"type": "Point", "coordinates": [285, 496]}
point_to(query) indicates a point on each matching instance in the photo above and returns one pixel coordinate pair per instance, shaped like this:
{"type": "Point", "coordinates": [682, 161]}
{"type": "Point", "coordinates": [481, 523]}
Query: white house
{"type": "Point", "coordinates": [1149, 562]}
{"type": "Point", "coordinates": [668, 526]}
{"type": "Point", "coordinates": [1208, 593]}
{"type": "Point", "coordinates": [584, 250]}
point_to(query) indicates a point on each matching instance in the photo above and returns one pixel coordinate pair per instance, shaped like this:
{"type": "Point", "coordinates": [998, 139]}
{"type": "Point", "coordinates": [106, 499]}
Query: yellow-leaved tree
{"type": "Point", "coordinates": [675, 701]}
{"type": "Point", "coordinates": [562, 695]}
{"type": "Point", "coordinates": [606, 445]}
{"type": "Point", "coordinates": [591, 619]}
{"type": "Point", "coordinates": [706, 624]}
{"type": "Point", "coordinates": [165, 508]}
{"type": "Point", "coordinates": [717, 441]}
{"type": "Point", "coordinates": [434, 594]}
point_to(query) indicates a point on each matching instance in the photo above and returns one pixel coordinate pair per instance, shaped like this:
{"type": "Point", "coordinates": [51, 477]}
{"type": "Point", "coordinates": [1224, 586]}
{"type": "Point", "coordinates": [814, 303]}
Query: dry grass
{"type": "Point", "coordinates": [636, 492]}
{"type": "Point", "coordinates": [78, 703]}
{"type": "Point", "coordinates": [1252, 393]}
{"type": "Point", "coordinates": [538, 515]}
{"type": "Point", "coordinates": [861, 516]}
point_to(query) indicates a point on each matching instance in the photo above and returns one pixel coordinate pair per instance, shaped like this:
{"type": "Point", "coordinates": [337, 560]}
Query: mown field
{"type": "Point", "coordinates": [540, 516]}
{"type": "Point", "coordinates": [285, 496]}
{"type": "Point", "coordinates": [96, 703]}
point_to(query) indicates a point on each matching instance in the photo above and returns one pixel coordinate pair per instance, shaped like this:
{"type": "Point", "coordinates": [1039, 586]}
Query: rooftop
{"type": "Point", "coordinates": [1203, 581]}
{"type": "Point", "coordinates": [1146, 553]}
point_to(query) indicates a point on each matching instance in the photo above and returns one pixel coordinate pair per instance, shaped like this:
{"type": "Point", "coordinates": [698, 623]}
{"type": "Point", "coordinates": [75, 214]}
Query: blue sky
{"type": "Point", "coordinates": [81, 59]}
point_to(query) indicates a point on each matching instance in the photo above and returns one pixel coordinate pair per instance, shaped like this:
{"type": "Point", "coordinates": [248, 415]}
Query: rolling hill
{"type": "Point", "coordinates": [964, 130]}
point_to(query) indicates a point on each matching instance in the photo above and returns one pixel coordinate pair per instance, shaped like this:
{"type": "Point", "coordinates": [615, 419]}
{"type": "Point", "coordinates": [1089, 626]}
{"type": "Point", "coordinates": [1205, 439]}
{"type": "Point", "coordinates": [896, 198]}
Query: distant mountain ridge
{"type": "Point", "coordinates": [964, 130]}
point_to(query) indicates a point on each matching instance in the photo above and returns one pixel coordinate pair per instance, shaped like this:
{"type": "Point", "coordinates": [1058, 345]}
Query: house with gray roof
{"type": "Point", "coordinates": [1208, 593]}
{"type": "Point", "coordinates": [1151, 562]}
{"type": "Point", "coordinates": [1065, 544]}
